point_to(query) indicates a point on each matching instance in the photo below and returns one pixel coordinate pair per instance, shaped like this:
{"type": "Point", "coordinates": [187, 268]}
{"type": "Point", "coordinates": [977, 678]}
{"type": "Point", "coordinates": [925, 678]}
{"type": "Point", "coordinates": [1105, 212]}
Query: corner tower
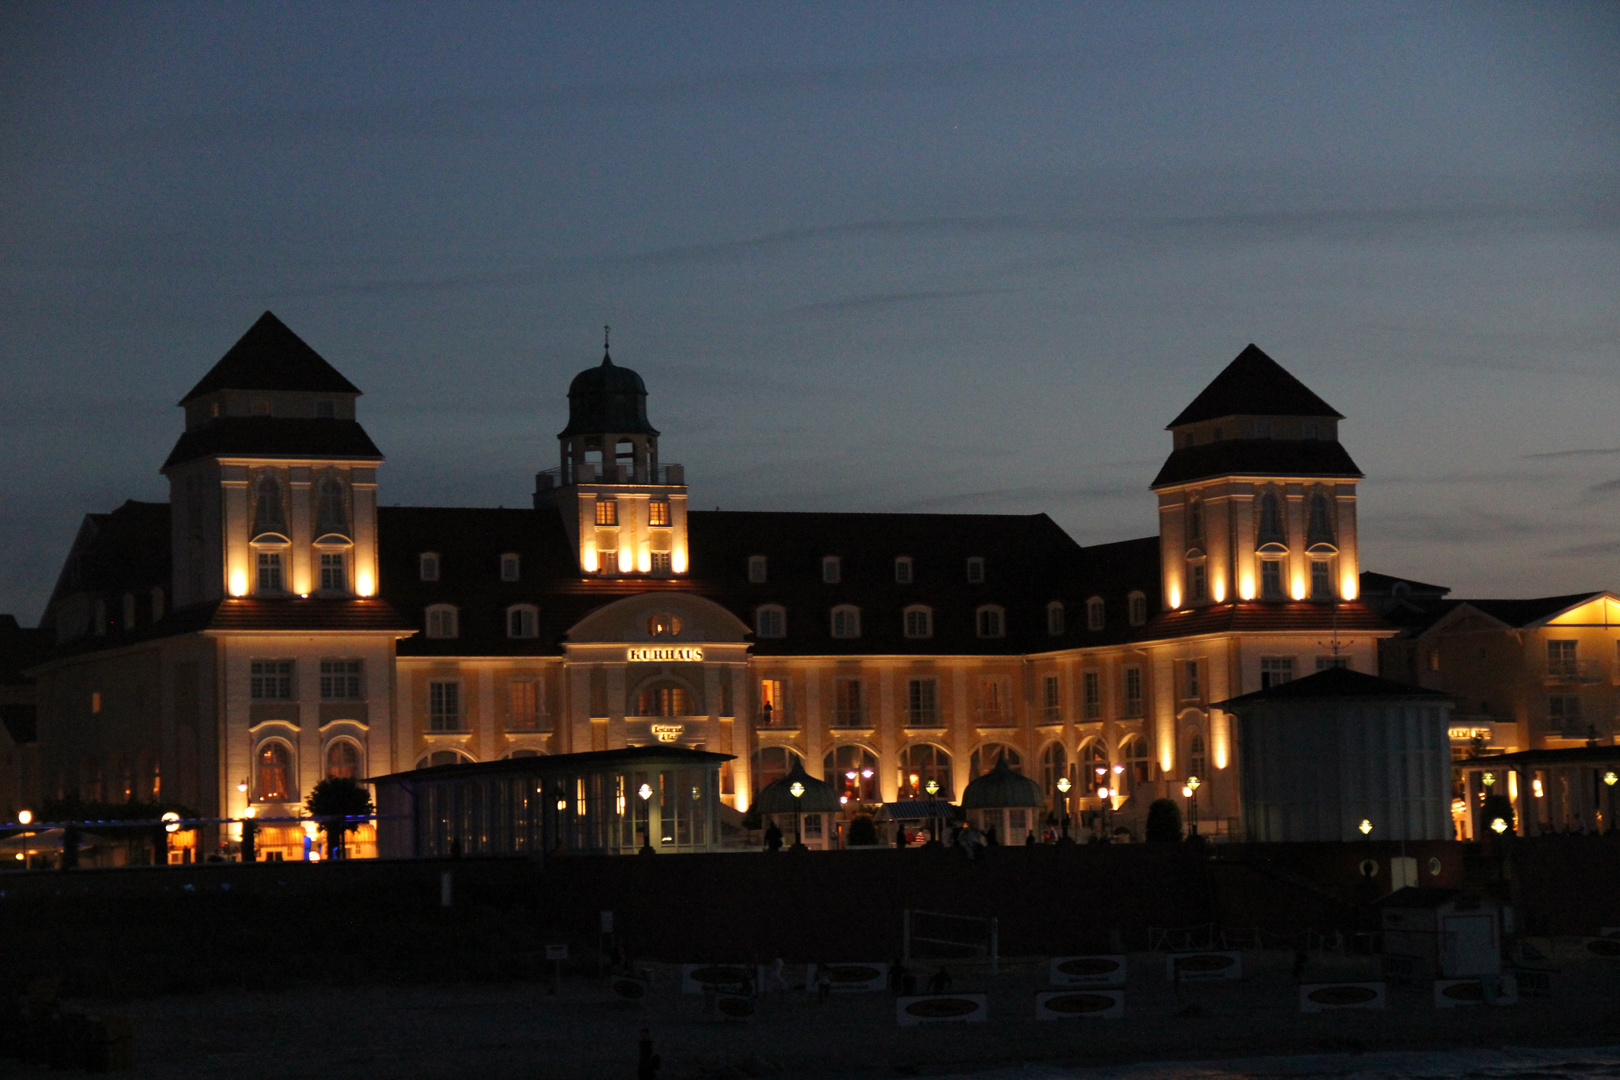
{"type": "Point", "coordinates": [1257, 500]}
{"type": "Point", "coordinates": [273, 484]}
{"type": "Point", "coordinates": [624, 511]}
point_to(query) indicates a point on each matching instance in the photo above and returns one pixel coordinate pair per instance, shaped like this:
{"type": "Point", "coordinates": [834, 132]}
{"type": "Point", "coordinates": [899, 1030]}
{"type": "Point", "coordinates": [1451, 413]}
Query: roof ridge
{"type": "Point", "coordinates": [271, 357]}
{"type": "Point", "coordinates": [1254, 384]}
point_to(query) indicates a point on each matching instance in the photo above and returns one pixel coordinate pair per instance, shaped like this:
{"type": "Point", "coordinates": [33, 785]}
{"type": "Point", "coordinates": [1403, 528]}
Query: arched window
{"type": "Point", "coordinates": [442, 621]}
{"type": "Point", "coordinates": [1271, 521]}
{"type": "Point", "coordinates": [853, 771]}
{"type": "Point", "coordinates": [664, 699]}
{"type": "Point", "coordinates": [925, 772]}
{"type": "Point", "coordinates": [919, 621]}
{"type": "Point", "coordinates": [1197, 759]}
{"type": "Point", "coordinates": [1138, 609]}
{"type": "Point", "coordinates": [985, 757]}
{"type": "Point", "coordinates": [1054, 619]}
{"type": "Point", "coordinates": [1054, 767]}
{"type": "Point", "coordinates": [1134, 756]}
{"type": "Point", "coordinates": [444, 757]}
{"type": "Point", "coordinates": [770, 621]}
{"type": "Point", "coordinates": [273, 778]}
{"type": "Point", "coordinates": [522, 621]}
{"type": "Point", "coordinates": [427, 565]}
{"type": "Point", "coordinates": [902, 570]}
{"type": "Point", "coordinates": [1095, 614]}
{"type": "Point", "coordinates": [343, 760]}
{"type": "Point", "coordinates": [331, 508]}
{"type": "Point", "coordinates": [991, 621]}
{"type": "Point", "coordinates": [663, 624]}
{"type": "Point", "coordinates": [269, 515]}
{"type": "Point", "coordinates": [1094, 766]}
{"type": "Point", "coordinates": [770, 764]}
{"type": "Point", "coordinates": [1320, 529]}
{"type": "Point", "coordinates": [846, 621]}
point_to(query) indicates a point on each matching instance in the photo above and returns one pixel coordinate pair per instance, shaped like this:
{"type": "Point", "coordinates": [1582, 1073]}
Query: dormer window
{"type": "Point", "coordinates": [975, 571]}
{"type": "Point", "coordinates": [1095, 614]}
{"type": "Point", "coordinates": [756, 569]}
{"type": "Point", "coordinates": [522, 621]}
{"type": "Point", "coordinates": [919, 622]}
{"type": "Point", "coordinates": [832, 569]}
{"type": "Point", "coordinates": [334, 572]}
{"type": "Point", "coordinates": [442, 621]}
{"type": "Point", "coordinates": [770, 621]}
{"type": "Point", "coordinates": [269, 576]}
{"type": "Point", "coordinates": [846, 621]}
{"type": "Point", "coordinates": [511, 567]}
{"type": "Point", "coordinates": [663, 624]}
{"type": "Point", "coordinates": [991, 622]}
{"type": "Point", "coordinates": [902, 570]}
{"type": "Point", "coordinates": [427, 565]}
{"type": "Point", "coordinates": [1054, 619]}
{"type": "Point", "coordinates": [1138, 609]}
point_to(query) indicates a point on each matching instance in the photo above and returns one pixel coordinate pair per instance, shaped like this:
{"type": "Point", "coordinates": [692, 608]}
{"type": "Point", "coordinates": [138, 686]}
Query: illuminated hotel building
{"type": "Point", "coordinates": [272, 624]}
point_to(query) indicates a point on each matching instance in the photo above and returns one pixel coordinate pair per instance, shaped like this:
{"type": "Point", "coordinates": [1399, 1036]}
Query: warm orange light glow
{"type": "Point", "coordinates": [25, 817]}
{"type": "Point", "coordinates": [1535, 785]}
{"type": "Point", "coordinates": [364, 583]}
{"type": "Point", "coordinates": [1349, 587]}
{"type": "Point", "coordinates": [1298, 588]}
{"type": "Point", "coordinates": [644, 563]}
{"type": "Point", "coordinates": [1513, 785]}
{"type": "Point", "coordinates": [626, 559]}
{"type": "Point", "coordinates": [677, 559]}
{"type": "Point", "coordinates": [1246, 587]}
{"type": "Point", "coordinates": [1219, 591]}
{"type": "Point", "coordinates": [587, 558]}
{"type": "Point", "coordinates": [1175, 597]}
{"type": "Point", "coordinates": [238, 582]}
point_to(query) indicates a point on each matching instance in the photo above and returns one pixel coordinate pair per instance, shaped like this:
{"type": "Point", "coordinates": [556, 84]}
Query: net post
{"type": "Point", "coordinates": [905, 937]}
{"type": "Point", "coordinates": [995, 953]}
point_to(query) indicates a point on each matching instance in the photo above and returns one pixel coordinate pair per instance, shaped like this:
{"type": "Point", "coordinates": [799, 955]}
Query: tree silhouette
{"type": "Point", "coordinates": [338, 801]}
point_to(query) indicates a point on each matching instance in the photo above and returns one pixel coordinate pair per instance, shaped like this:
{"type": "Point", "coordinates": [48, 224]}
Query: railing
{"type": "Point", "coordinates": [849, 718]}
{"type": "Point", "coordinates": [922, 718]}
{"type": "Point", "coordinates": [1574, 671]}
{"type": "Point", "coordinates": [994, 716]}
{"type": "Point", "coordinates": [591, 472]}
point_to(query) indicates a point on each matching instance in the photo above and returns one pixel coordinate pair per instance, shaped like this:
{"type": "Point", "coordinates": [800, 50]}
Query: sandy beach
{"type": "Point", "coordinates": [520, 1030]}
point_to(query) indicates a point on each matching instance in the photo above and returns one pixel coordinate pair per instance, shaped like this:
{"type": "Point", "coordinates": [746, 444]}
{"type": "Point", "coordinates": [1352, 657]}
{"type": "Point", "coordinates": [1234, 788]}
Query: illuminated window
{"type": "Point", "coordinates": [1091, 688]}
{"type": "Point", "coordinates": [919, 622]}
{"type": "Point", "coordinates": [846, 621]}
{"type": "Point", "coordinates": [607, 511]}
{"type": "Point", "coordinates": [523, 704]}
{"type": "Point", "coordinates": [924, 767]}
{"type": "Point", "coordinates": [991, 622]}
{"type": "Point", "coordinates": [832, 569]}
{"type": "Point", "coordinates": [444, 705]}
{"type": "Point", "coordinates": [1133, 692]}
{"type": "Point", "coordinates": [975, 571]}
{"type": "Point", "coordinates": [522, 621]}
{"type": "Point", "coordinates": [273, 774]}
{"type": "Point", "coordinates": [1138, 609]}
{"type": "Point", "coordinates": [902, 570]}
{"type": "Point", "coordinates": [269, 580]}
{"type": "Point", "coordinates": [663, 624]}
{"type": "Point", "coordinates": [95, 701]}
{"type": "Point", "coordinates": [770, 621]}
{"type": "Point", "coordinates": [658, 513]}
{"type": "Point", "coordinates": [756, 569]}
{"type": "Point", "coordinates": [343, 760]}
{"type": "Point", "coordinates": [1054, 619]}
{"type": "Point", "coordinates": [270, 680]}
{"type": "Point", "coordinates": [1094, 614]}
{"type": "Point", "coordinates": [1275, 670]}
{"type": "Point", "coordinates": [1321, 579]}
{"type": "Point", "coordinates": [511, 567]}
{"type": "Point", "coordinates": [427, 565]}
{"type": "Point", "coordinates": [660, 563]}
{"type": "Point", "coordinates": [773, 702]}
{"type": "Point", "coordinates": [340, 680]}
{"type": "Point", "coordinates": [1053, 700]}
{"type": "Point", "coordinates": [1134, 756]}
{"type": "Point", "coordinates": [1271, 586]}
{"type": "Point", "coordinates": [1054, 767]}
{"type": "Point", "coordinates": [441, 621]}
{"type": "Point", "coordinates": [664, 699]}
{"type": "Point", "coordinates": [922, 702]}
{"type": "Point", "coordinates": [334, 577]}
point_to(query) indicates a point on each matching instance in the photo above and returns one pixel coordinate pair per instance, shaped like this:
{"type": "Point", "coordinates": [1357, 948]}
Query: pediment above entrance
{"type": "Point", "coordinates": [660, 621]}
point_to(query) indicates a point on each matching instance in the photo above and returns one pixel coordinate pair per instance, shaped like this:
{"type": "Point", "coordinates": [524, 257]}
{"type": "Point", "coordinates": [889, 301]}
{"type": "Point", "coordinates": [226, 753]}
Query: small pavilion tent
{"type": "Point", "coordinates": [801, 803]}
{"type": "Point", "coordinates": [1004, 801]}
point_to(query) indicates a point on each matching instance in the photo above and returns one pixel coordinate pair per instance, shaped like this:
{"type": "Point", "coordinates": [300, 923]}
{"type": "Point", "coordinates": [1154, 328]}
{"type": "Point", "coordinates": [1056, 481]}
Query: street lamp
{"type": "Point", "coordinates": [797, 791]}
{"type": "Point", "coordinates": [644, 793]}
{"type": "Point", "coordinates": [1498, 826]}
{"type": "Point", "coordinates": [1610, 778]}
{"type": "Point", "coordinates": [1365, 827]}
{"type": "Point", "coordinates": [1193, 784]}
{"type": "Point", "coordinates": [26, 817]}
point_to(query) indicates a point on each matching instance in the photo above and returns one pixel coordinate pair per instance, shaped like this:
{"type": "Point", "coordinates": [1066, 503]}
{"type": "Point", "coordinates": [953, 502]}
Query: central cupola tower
{"type": "Point", "coordinates": [625, 512]}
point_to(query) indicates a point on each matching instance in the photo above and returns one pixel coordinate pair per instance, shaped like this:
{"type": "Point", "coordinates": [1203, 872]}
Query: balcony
{"type": "Point", "coordinates": [1574, 672]}
{"type": "Point", "coordinates": [849, 718]}
{"type": "Point", "coordinates": [591, 472]}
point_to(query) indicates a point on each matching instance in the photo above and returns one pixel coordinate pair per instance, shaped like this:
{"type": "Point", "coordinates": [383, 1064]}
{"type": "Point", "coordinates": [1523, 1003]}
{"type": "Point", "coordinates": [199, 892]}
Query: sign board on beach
{"type": "Point", "coordinates": [629, 989]}
{"type": "Point", "coordinates": [1495, 990]}
{"type": "Point", "coordinates": [1326, 997]}
{"type": "Point", "coordinates": [850, 978]}
{"type": "Point", "coordinates": [556, 952]}
{"type": "Point", "coordinates": [1608, 947]}
{"type": "Point", "coordinates": [695, 977]}
{"type": "Point", "coordinates": [1204, 966]}
{"type": "Point", "coordinates": [941, 1009]}
{"type": "Point", "coordinates": [1108, 970]}
{"type": "Point", "coordinates": [1084, 1003]}
{"type": "Point", "coordinates": [735, 1006]}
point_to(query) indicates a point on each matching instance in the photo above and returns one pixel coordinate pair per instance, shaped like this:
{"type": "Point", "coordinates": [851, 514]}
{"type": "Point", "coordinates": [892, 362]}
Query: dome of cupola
{"type": "Point", "coordinates": [607, 399]}
{"type": "Point", "coordinates": [1001, 788]}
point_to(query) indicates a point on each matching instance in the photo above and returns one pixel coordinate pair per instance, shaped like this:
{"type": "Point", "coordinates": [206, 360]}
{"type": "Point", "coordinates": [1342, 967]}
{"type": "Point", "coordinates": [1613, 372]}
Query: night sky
{"type": "Point", "coordinates": [922, 257]}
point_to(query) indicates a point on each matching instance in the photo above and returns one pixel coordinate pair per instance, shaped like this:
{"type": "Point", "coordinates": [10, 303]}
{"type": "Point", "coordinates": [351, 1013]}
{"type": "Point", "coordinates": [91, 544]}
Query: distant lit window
{"type": "Point", "coordinates": [756, 569]}
{"type": "Point", "coordinates": [658, 513]}
{"type": "Point", "coordinates": [975, 571]}
{"type": "Point", "coordinates": [273, 773]}
{"type": "Point", "coordinates": [770, 621]}
{"type": "Point", "coordinates": [607, 511]}
{"type": "Point", "coordinates": [663, 624]}
{"type": "Point", "coordinates": [523, 707]}
{"type": "Point", "coordinates": [832, 569]}
{"type": "Point", "coordinates": [343, 760]}
{"type": "Point", "coordinates": [660, 563]}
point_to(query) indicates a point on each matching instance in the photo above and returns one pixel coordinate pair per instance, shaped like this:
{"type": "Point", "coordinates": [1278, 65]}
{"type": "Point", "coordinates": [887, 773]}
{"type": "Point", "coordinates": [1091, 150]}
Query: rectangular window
{"type": "Point", "coordinates": [660, 562]}
{"type": "Point", "coordinates": [1197, 583]}
{"type": "Point", "coordinates": [607, 511]}
{"type": "Point", "coordinates": [658, 513]}
{"type": "Point", "coordinates": [849, 708]}
{"type": "Point", "coordinates": [770, 622]}
{"type": "Point", "coordinates": [919, 623]}
{"type": "Point", "coordinates": [444, 706]}
{"type": "Point", "coordinates": [340, 680]}
{"type": "Point", "coordinates": [271, 680]}
{"type": "Point", "coordinates": [1053, 701]}
{"type": "Point", "coordinates": [832, 570]}
{"type": "Point", "coordinates": [922, 703]}
{"type": "Point", "coordinates": [522, 622]}
{"type": "Point", "coordinates": [773, 704]}
{"type": "Point", "coordinates": [523, 704]}
{"type": "Point", "coordinates": [1095, 615]}
{"type": "Point", "coordinates": [1561, 659]}
{"type": "Point", "coordinates": [441, 622]}
{"type": "Point", "coordinates": [1190, 687]}
{"type": "Point", "coordinates": [1321, 579]}
{"type": "Point", "coordinates": [333, 579]}
{"type": "Point", "coordinates": [756, 569]}
{"type": "Point", "coordinates": [511, 567]}
{"type": "Point", "coordinates": [95, 701]}
{"type": "Point", "coordinates": [269, 571]}
{"type": "Point", "coordinates": [902, 570]}
{"type": "Point", "coordinates": [990, 625]}
{"type": "Point", "coordinates": [1133, 691]}
{"type": "Point", "coordinates": [1271, 579]}
{"type": "Point", "coordinates": [975, 571]}
{"type": "Point", "coordinates": [1564, 713]}
{"type": "Point", "coordinates": [992, 703]}
{"type": "Point", "coordinates": [1091, 684]}
{"type": "Point", "coordinates": [1325, 662]}
{"type": "Point", "coordinates": [846, 622]}
{"type": "Point", "coordinates": [428, 565]}
{"type": "Point", "coordinates": [1275, 670]}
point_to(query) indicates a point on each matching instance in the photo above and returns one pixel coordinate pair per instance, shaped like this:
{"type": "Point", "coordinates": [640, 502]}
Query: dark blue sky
{"type": "Point", "coordinates": [868, 256]}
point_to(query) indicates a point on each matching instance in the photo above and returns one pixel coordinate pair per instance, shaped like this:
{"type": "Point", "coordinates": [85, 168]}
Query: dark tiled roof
{"type": "Point", "coordinates": [607, 398]}
{"type": "Point", "coordinates": [1259, 617]}
{"type": "Point", "coordinates": [560, 763]}
{"type": "Point", "coordinates": [1376, 584]}
{"type": "Point", "coordinates": [1336, 684]}
{"type": "Point", "coordinates": [356, 616]}
{"type": "Point", "coordinates": [275, 436]}
{"type": "Point", "coordinates": [21, 647]}
{"type": "Point", "coordinates": [1518, 613]}
{"type": "Point", "coordinates": [271, 357]}
{"type": "Point", "coordinates": [1254, 385]}
{"type": "Point", "coordinates": [124, 551]}
{"type": "Point", "coordinates": [1256, 457]}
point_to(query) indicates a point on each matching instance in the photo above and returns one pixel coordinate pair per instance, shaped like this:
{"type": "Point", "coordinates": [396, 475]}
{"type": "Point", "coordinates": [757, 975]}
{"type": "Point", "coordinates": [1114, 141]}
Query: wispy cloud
{"type": "Point", "coordinates": [1608, 487]}
{"type": "Point", "coordinates": [1579, 551]}
{"type": "Point", "coordinates": [1606, 451]}
{"type": "Point", "coordinates": [892, 299]}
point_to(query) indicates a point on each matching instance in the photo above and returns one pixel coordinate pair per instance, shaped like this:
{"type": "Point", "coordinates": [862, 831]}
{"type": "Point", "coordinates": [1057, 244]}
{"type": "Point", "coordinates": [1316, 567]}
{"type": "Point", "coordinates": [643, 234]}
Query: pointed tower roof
{"type": "Point", "coordinates": [271, 357]}
{"type": "Point", "coordinates": [1254, 385]}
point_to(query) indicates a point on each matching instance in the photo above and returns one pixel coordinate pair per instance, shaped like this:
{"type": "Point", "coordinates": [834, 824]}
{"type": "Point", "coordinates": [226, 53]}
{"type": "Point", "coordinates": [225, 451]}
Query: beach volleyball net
{"type": "Point", "coordinates": [941, 935]}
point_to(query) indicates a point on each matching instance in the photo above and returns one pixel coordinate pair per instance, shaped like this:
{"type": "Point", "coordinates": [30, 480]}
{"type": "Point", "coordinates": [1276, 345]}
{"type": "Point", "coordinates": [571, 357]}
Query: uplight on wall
{"type": "Point", "coordinates": [1218, 591]}
{"type": "Point", "coordinates": [677, 559]}
{"type": "Point", "coordinates": [1246, 587]}
{"type": "Point", "coordinates": [238, 582]}
{"type": "Point", "coordinates": [364, 583]}
{"type": "Point", "coordinates": [587, 558]}
{"type": "Point", "coordinates": [1297, 590]}
{"type": "Point", "coordinates": [626, 559]}
{"type": "Point", "coordinates": [1349, 587]}
{"type": "Point", "coordinates": [1175, 597]}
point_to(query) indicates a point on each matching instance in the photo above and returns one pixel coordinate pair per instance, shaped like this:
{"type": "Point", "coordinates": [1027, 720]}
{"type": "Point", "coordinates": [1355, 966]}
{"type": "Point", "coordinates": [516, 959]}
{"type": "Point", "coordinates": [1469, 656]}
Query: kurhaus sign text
{"type": "Point", "coordinates": [663, 652]}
